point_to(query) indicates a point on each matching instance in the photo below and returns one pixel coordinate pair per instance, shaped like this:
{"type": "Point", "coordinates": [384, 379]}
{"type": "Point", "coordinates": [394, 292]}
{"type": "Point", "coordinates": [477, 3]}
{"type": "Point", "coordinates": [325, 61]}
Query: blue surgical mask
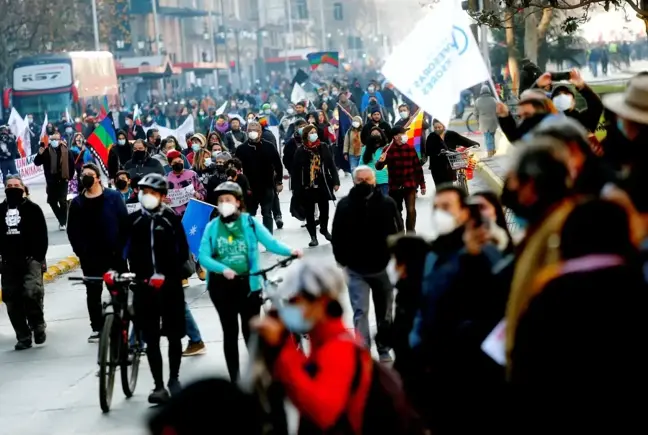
{"type": "Point", "coordinates": [312, 137]}
{"type": "Point", "coordinates": [195, 147]}
{"type": "Point", "coordinates": [54, 143]}
{"type": "Point", "coordinates": [300, 130]}
{"type": "Point", "coordinates": [292, 317]}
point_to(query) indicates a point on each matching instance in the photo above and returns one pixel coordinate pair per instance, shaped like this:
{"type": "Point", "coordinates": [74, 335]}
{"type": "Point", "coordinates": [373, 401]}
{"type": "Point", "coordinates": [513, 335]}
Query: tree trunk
{"type": "Point", "coordinates": [531, 37]}
{"type": "Point", "coordinates": [543, 27]}
{"type": "Point", "coordinates": [514, 71]}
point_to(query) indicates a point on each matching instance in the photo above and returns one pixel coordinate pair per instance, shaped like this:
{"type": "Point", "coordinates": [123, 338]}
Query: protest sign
{"type": "Point", "coordinates": [178, 197]}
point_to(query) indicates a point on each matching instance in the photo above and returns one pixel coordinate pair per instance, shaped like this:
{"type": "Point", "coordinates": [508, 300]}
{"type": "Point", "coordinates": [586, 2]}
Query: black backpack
{"type": "Point", "coordinates": [387, 409]}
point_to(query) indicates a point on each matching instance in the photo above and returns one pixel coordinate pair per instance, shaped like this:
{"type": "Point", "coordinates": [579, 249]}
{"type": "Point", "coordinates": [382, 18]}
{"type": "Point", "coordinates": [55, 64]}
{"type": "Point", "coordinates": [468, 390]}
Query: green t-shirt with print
{"type": "Point", "coordinates": [232, 247]}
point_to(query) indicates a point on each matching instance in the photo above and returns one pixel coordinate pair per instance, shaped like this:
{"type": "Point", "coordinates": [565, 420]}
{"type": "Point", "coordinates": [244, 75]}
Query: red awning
{"type": "Point", "coordinates": [152, 67]}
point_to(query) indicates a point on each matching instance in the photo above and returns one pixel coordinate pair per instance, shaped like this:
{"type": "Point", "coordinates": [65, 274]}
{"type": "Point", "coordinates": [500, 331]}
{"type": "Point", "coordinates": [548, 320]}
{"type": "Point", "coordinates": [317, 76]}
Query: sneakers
{"type": "Point", "coordinates": [94, 337]}
{"type": "Point", "coordinates": [185, 283]}
{"type": "Point", "coordinates": [313, 242]}
{"type": "Point", "coordinates": [22, 345]}
{"type": "Point", "coordinates": [326, 234]}
{"type": "Point", "coordinates": [61, 227]}
{"type": "Point", "coordinates": [279, 223]}
{"type": "Point", "coordinates": [159, 396]}
{"type": "Point", "coordinates": [202, 274]}
{"type": "Point", "coordinates": [40, 337]}
{"type": "Point", "coordinates": [174, 386]}
{"type": "Point", "coordinates": [194, 349]}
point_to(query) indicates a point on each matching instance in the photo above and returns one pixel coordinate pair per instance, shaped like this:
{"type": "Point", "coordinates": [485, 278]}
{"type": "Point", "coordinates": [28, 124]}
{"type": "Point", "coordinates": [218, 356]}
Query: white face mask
{"type": "Point", "coordinates": [355, 124]}
{"type": "Point", "coordinates": [208, 161]}
{"type": "Point", "coordinates": [444, 222]}
{"type": "Point", "coordinates": [404, 138]}
{"type": "Point", "coordinates": [404, 115]}
{"type": "Point", "coordinates": [563, 102]}
{"type": "Point", "coordinates": [253, 135]}
{"type": "Point", "coordinates": [290, 111]}
{"type": "Point", "coordinates": [226, 209]}
{"type": "Point", "coordinates": [371, 89]}
{"type": "Point", "coordinates": [312, 137]}
{"type": "Point", "coordinates": [148, 200]}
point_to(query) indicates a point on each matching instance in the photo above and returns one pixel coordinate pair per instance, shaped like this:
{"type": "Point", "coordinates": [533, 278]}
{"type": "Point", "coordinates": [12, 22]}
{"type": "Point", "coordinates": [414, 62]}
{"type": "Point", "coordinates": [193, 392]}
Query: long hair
{"type": "Point", "coordinates": [371, 146]}
{"type": "Point", "coordinates": [500, 218]}
{"type": "Point", "coordinates": [199, 160]}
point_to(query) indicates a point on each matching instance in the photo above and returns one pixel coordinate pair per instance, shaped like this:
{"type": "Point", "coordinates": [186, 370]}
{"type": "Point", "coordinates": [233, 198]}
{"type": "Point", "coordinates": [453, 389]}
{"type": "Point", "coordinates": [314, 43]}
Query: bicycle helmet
{"type": "Point", "coordinates": [315, 277]}
{"type": "Point", "coordinates": [154, 181]}
{"type": "Point", "coordinates": [228, 188]}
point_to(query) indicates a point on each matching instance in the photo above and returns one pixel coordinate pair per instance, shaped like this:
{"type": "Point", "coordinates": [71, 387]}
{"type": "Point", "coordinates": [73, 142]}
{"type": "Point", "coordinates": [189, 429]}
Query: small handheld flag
{"type": "Point", "coordinates": [323, 57]}
{"type": "Point", "coordinates": [194, 221]}
{"type": "Point", "coordinates": [101, 140]}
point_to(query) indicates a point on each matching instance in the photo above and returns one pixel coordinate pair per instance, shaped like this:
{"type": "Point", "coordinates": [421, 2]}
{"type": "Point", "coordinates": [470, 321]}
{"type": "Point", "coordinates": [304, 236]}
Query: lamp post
{"type": "Point", "coordinates": [95, 25]}
{"type": "Point", "coordinates": [156, 28]}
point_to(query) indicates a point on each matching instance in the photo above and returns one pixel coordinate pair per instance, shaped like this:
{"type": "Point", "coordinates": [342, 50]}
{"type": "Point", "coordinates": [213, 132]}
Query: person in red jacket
{"type": "Point", "coordinates": [329, 388]}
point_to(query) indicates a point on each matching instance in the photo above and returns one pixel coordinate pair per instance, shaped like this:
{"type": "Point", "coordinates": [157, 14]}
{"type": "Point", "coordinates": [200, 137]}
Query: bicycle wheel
{"type": "Point", "coordinates": [469, 120]}
{"type": "Point", "coordinates": [129, 362]}
{"type": "Point", "coordinates": [108, 360]}
{"type": "Point", "coordinates": [462, 181]}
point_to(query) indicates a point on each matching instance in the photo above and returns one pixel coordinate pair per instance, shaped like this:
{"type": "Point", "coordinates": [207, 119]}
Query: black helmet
{"type": "Point", "coordinates": [227, 188]}
{"type": "Point", "coordinates": [154, 181]}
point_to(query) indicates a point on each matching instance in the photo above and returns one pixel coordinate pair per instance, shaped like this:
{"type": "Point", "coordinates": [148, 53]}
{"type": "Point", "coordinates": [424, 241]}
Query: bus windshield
{"type": "Point", "coordinates": [52, 104]}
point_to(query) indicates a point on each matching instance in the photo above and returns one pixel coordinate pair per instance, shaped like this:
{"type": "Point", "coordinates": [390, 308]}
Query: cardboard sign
{"type": "Point", "coordinates": [181, 196]}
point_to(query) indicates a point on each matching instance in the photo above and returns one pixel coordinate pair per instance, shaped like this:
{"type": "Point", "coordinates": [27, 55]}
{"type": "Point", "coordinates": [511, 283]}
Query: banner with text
{"type": "Point", "coordinates": [178, 197]}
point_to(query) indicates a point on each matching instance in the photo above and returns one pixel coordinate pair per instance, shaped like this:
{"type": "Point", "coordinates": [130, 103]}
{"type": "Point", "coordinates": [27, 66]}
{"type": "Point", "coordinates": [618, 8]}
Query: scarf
{"type": "Point", "coordinates": [315, 166]}
{"type": "Point", "coordinates": [54, 161]}
{"type": "Point", "coordinates": [223, 128]}
{"type": "Point", "coordinates": [356, 143]}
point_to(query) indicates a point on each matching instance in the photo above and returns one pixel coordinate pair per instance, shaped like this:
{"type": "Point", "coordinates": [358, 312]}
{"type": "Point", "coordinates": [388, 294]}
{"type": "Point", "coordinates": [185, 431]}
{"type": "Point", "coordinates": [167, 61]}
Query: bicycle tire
{"type": "Point", "coordinates": [468, 119]}
{"type": "Point", "coordinates": [130, 367]}
{"type": "Point", "coordinates": [107, 366]}
{"type": "Point", "coordinates": [462, 181]}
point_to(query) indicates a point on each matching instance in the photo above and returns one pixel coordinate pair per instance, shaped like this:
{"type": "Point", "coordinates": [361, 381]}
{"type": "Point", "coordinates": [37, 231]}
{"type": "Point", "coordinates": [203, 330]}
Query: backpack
{"type": "Point", "coordinates": [387, 409]}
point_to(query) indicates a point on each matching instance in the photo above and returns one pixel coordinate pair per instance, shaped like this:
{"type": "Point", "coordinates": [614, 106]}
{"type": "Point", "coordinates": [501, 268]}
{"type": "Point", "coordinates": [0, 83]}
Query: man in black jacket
{"type": "Point", "coordinates": [376, 120]}
{"type": "Point", "coordinates": [363, 222]}
{"type": "Point", "coordinates": [262, 166]}
{"type": "Point", "coordinates": [23, 245]}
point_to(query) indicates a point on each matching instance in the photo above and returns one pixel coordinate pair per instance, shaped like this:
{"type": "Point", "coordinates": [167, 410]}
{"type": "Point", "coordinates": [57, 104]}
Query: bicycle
{"type": "Point", "coordinates": [471, 121]}
{"type": "Point", "coordinates": [115, 349]}
{"type": "Point", "coordinates": [461, 161]}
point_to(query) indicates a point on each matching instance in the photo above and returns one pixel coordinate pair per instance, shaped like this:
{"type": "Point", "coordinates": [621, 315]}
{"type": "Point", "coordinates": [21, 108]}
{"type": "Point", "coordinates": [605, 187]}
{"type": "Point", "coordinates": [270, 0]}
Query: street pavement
{"type": "Point", "coordinates": [53, 389]}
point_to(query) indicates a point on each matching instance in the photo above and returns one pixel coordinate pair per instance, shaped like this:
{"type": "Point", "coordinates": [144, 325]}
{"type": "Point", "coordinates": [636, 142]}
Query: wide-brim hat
{"type": "Point", "coordinates": [631, 104]}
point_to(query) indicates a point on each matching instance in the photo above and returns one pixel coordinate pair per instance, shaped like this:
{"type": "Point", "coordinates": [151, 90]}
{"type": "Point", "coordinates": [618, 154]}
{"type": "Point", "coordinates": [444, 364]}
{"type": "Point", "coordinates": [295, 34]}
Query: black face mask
{"type": "Point", "coordinates": [177, 167]}
{"type": "Point", "coordinates": [376, 139]}
{"type": "Point", "coordinates": [14, 195]}
{"type": "Point", "coordinates": [87, 181]}
{"type": "Point", "coordinates": [220, 167]}
{"type": "Point", "coordinates": [139, 155]}
{"type": "Point", "coordinates": [364, 190]}
{"type": "Point", "coordinates": [121, 184]}
{"type": "Point", "coordinates": [158, 141]}
{"type": "Point", "coordinates": [49, 130]}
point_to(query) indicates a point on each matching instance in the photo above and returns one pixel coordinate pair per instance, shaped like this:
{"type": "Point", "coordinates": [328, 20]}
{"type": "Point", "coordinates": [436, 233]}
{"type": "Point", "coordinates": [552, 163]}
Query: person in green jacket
{"type": "Point", "coordinates": [229, 251]}
{"type": "Point", "coordinates": [370, 155]}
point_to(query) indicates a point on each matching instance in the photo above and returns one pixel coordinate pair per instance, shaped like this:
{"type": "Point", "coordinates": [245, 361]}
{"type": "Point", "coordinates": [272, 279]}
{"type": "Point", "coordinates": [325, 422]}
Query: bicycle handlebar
{"type": "Point", "coordinates": [450, 152]}
{"type": "Point", "coordinates": [120, 278]}
{"type": "Point", "coordinates": [281, 263]}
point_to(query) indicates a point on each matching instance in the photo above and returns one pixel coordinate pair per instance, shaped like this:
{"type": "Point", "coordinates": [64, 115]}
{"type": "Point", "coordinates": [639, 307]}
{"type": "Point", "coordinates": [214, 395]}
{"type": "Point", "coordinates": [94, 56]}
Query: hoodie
{"type": "Point", "coordinates": [352, 140]}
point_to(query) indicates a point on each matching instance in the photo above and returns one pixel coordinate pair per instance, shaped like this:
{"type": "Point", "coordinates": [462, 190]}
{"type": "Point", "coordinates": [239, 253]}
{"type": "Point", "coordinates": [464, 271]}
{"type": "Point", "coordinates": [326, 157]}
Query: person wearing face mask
{"type": "Point", "coordinates": [563, 98]}
{"type": "Point", "coordinates": [293, 143]}
{"type": "Point", "coordinates": [533, 108]}
{"type": "Point", "coordinates": [68, 132]}
{"type": "Point", "coordinates": [141, 163]}
{"type": "Point", "coordinates": [8, 152]}
{"type": "Point", "coordinates": [170, 143]}
{"type": "Point", "coordinates": [80, 153]}
{"type": "Point", "coordinates": [376, 119]}
{"type": "Point", "coordinates": [353, 143]}
{"type": "Point", "coordinates": [444, 352]}
{"type": "Point", "coordinates": [262, 165]}
{"type": "Point", "coordinates": [96, 223]}
{"type": "Point", "coordinates": [405, 118]}
{"type": "Point", "coordinates": [153, 140]}
{"type": "Point", "coordinates": [229, 248]}
{"type": "Point", "coordinates": [314, 180]}
{"type": "Point", "coordinates": [122, 185]}
{"type": "Point", "coordinates": [345, 102]}
{"type": "Point", "coordinates": [371, 153]}
{"type": "Point", "coordinates": [405, 174]}
{"type": "Point", "coordinates": [183, 184]}
{"type": "Point", "coordinates": [363, 221]}
{"type": "Point", "coordinates": [372, 92]}
{"type": "Point", "coordinates": [23, 247]}
{"type": "Point", "coordinates": [134, 129]}
{"type": "Point", "coordinates": [119, 154]}
{"type": "Point", "coordinates": [221, 164]}
{"type": "Point", "coordinates": [58, 167]}
{"type": "Point", "coordinates": [204, 166]}
{"type": "Point", "coordinates": [158, 248]}
{"type": "Point", "coordinates": [441, 140]}
{"type": "Point", "coordinates": [198, 142]}
{"type": "Point", "coordinates": [266, 109]}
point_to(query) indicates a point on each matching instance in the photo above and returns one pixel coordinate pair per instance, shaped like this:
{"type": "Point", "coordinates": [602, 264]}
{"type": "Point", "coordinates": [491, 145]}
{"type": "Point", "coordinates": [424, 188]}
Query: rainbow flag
{"type": "Point", "coordinates": [323, 57]}
{"type": "Point", "coordinates": [101, 140]}
{"type": "Point", "coordinates": [415, 131]}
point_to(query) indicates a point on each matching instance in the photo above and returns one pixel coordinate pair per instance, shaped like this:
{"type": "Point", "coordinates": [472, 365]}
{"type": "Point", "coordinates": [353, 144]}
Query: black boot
{"type": "Point", "coordinates": [313, 242]}
{"type": "Point", "coordinates": [326, 234]}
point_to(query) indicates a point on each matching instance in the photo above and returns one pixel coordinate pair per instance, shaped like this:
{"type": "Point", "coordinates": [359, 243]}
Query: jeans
{"type": "Point", "coordinates": [8, 167]}
{"type": "Point", "coordinates": [57, 199]}
{"type": "Point", "coordinates": [265, 199]}
{"type": "Point", "coordinates": [594, 68]}
{"type": "Point", "coordinates": [409, 197]}
{"type": "Point", "coordinates": [354, 162]}
{"type": "Point", "coordinates": [23, 291]}
{"type": "Point", "coordinates": [384, 189]}
{"type": "Point", "coordinates": [192, 328]}
{"type": "Point", "coordinates": [489, 139]}
{"type": "Point", "coordinates": [232, 298]}
{"type": "Point", "coordinates": [383, 299]}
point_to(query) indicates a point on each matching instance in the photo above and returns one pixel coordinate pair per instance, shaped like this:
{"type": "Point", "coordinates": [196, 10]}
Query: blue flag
{"type": "Point", "coordinates": [344, 124]}
{"type": "Point", "coordinates": [195, 220]}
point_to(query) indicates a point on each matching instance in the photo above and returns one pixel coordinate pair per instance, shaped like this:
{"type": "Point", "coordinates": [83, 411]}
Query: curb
{"type": "Point", "coordinates": [493, 180]}
{"type": "Point", "coordinates": [61, 267]}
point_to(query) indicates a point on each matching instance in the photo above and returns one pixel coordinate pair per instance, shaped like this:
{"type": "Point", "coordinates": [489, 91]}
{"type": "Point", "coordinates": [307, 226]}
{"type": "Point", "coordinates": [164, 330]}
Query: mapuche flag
{"type": "Point", "coordinates": [323, 57]}
{"type": "Point", "coordinates": [101, 140]}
